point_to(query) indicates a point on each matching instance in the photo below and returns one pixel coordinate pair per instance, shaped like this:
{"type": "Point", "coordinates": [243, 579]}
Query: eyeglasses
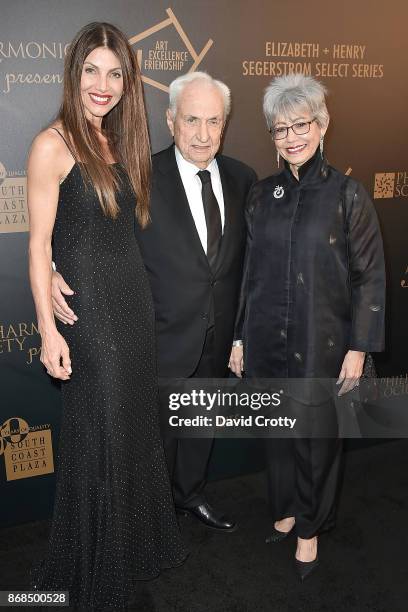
{"type": "Point", "coordinates": [299, 128]}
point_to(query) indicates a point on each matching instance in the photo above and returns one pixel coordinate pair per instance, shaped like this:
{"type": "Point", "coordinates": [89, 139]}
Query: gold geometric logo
{"type": "Point", "coordinates": [384, 185]}
{"type": "Point", "coordinates": [27, 450]}
{"type": "Point", "coordinates": [163, 58]}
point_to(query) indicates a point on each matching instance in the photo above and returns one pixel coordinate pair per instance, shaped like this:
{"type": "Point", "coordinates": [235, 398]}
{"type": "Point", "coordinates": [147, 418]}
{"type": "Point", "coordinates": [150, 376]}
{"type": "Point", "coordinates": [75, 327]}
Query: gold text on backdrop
{"type": "Point", "coordinates": [13, 202]}
{"type": "Point", "coordinates": [162, 58]}
{"type": "Point", "coordinates": [27, 450]}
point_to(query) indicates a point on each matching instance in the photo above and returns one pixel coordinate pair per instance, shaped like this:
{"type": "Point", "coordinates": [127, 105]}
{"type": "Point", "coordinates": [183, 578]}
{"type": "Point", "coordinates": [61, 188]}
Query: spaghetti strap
{"type": "Point", "coordinates": [66, 142]}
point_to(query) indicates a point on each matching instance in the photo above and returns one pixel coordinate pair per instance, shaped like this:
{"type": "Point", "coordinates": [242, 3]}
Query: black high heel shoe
{"type": "Point", "coordinates": [277, 536]}
{"type": "Point", "coordinates": [305, 568]}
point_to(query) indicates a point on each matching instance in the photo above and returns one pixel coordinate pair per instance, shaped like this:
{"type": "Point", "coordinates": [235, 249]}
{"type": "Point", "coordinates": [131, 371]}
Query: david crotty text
{"type": "Point", "coordinates": [239, 421]}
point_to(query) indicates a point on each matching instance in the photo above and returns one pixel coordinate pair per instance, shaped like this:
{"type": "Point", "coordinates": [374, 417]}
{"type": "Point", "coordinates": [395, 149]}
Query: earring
{"type": "Point", "coordinates": [277, 158]}
{"type": "Point", "coordinates": [321, 146]}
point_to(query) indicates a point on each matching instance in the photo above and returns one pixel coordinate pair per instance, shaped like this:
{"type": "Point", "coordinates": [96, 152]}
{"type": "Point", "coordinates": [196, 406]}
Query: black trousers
{"type": "Point", "coordinates": [303, 474]}
{"type": "Point", "coordinates": [188, 458]}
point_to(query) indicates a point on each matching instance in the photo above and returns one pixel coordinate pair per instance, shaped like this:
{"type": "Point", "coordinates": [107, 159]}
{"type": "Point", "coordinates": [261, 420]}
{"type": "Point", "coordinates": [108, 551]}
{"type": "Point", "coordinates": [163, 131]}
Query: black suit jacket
{"type": "Point", "coordinates": [183, 286]}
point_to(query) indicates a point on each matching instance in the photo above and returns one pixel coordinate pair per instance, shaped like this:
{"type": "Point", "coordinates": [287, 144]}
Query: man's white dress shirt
{"type": "Point", "coordinates": [192, 186]}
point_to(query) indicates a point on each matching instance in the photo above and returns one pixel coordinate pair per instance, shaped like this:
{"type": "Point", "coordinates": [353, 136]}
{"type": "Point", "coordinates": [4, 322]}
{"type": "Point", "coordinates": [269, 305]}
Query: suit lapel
{"type": "Point", "coordinates": [172, 190]}
{"type": "Point", "coordinates": [229, 194]}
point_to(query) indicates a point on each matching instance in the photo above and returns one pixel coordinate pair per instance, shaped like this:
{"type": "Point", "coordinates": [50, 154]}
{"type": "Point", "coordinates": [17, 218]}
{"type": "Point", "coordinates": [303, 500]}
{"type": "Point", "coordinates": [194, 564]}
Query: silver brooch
{"type": "Point", "coordinates": [278, 192]}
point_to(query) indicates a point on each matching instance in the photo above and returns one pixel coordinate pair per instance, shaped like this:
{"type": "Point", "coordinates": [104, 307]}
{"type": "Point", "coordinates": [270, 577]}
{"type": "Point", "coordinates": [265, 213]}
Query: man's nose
{"type": "Point", "coordinates": [203, 131]}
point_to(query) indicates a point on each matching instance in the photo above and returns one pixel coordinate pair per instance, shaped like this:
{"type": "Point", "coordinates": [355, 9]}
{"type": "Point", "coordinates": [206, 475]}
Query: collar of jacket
{"type": "Point", "coordinates": [312, 171]}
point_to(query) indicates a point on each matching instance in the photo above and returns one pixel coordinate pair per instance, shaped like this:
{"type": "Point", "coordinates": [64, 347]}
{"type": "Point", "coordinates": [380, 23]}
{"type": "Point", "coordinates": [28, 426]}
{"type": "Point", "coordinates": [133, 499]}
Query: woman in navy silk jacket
{"type": "Point", "coordinates": [312, 300]}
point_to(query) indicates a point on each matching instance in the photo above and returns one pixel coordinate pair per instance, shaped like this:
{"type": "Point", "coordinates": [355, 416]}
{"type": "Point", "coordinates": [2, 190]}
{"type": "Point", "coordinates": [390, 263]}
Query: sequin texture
{"type": "Point", "coordinates": [114, 521]}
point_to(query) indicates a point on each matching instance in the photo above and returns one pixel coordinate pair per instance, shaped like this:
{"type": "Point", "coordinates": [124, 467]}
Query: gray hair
{"type": "Point", "coordinates": [286, 94]}
{"type": "Point", "coordinates": [177, 86]}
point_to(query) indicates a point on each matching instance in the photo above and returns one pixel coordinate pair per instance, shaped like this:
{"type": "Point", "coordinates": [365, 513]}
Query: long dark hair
{"type": "Point", "coordinates": [125, 126]}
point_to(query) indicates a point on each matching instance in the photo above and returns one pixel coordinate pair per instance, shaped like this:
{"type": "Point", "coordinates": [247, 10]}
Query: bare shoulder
{"type": "Point", "coordinates": [49, 152]}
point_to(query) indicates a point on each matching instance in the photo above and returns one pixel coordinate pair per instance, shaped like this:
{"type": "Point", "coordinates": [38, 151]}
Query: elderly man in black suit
{"type": "Point", "coordinates": [193, 251]}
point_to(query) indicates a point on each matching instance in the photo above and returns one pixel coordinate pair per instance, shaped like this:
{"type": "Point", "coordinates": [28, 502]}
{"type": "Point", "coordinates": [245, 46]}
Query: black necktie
{"type": "Point", "coordinates": [212, 217]}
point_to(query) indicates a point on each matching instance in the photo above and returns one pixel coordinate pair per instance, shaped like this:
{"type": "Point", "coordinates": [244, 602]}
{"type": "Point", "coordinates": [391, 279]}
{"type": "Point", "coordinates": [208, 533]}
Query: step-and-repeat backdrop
{"type": "Point", "coordinates": [358, 49]}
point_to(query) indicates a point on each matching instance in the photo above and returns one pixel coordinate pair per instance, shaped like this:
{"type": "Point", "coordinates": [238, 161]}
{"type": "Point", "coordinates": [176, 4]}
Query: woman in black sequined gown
{"type": "Point", "coordinates": [114, 521]}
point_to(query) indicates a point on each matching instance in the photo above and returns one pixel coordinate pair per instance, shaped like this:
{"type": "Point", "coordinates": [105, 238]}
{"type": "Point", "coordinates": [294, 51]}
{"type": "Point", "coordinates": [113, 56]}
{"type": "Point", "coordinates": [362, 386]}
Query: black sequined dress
{"type": "Point", "coordinates": [114, 521]}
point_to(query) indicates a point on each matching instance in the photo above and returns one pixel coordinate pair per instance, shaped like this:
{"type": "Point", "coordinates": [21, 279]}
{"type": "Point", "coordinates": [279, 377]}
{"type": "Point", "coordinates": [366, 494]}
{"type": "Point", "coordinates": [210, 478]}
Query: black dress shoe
{"type": "Point", "coordinates": [278, 536]}
{"type": "Point", "coordinates": [207, 515]}
{"type": "Point", "coordinates": [305, 568]}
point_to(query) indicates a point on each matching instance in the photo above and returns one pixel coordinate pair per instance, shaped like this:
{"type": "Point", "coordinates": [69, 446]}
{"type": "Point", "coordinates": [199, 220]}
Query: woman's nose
{"type": "Point", "coordinates": [102, 84]}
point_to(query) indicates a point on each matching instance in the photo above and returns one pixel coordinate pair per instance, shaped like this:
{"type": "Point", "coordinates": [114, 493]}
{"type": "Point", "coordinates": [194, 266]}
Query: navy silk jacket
{"type": "Point", "coordinates": [314, 278]}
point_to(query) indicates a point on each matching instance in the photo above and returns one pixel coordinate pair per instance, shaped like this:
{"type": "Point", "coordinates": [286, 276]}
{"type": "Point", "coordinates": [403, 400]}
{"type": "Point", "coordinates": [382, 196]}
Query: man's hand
{"type": "Point", "coordinates": [61, 309]}
{"type": "Point", "coordinates": [236, 360]}
{"type": "Point", "coordinates": [351, 371]}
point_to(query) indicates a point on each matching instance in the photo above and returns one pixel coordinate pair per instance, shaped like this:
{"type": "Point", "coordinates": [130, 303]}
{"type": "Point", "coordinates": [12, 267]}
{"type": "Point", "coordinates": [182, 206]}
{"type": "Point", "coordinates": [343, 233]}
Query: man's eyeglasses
{"type": "Point", "coordinates": [299, 128]}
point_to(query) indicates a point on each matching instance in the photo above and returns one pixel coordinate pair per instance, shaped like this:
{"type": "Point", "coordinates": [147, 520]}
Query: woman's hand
{"type": "Point", "coordinates": [54, 350]}
{"type": "Point", "coordinates": [236, 360]}
{"type": "Point", "coordinates": [351, 371]}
